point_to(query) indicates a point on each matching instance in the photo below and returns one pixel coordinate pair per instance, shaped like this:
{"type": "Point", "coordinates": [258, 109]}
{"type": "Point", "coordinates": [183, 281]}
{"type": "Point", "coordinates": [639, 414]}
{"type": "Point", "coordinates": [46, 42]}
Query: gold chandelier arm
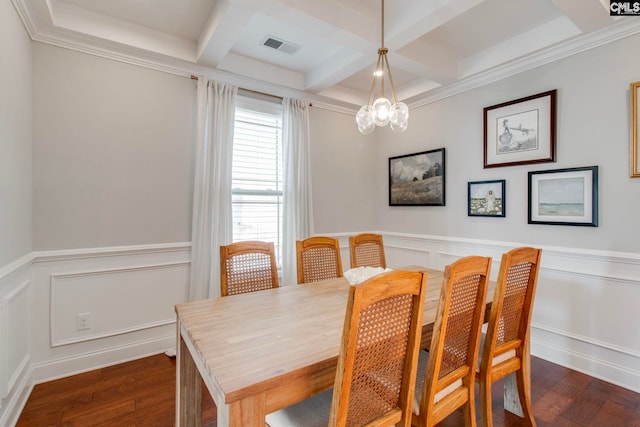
{"type": "Point", "coordinates": [393, 89]}
{"type": "Point", "coordinates": [373, 81]}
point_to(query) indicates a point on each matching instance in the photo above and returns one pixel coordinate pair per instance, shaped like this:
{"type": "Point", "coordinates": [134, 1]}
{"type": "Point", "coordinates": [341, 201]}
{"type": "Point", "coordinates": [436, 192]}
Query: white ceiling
{"type": "Point", "coordinates": [434, 45]}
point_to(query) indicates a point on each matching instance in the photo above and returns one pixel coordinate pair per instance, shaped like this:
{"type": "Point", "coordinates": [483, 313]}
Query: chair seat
{"type": "Point", "coordinates": [312, 412]}
{"type": "Point", "coordinates": [499, 358]}
{"type": "Point", "coordinates": [422, 368]}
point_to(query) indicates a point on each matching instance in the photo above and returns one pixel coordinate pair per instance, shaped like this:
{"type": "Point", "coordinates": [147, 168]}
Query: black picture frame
{"type": "Point", "coordinates": [520, 132]}
{"type": "Point", "coordinates": [487, 198]}
{"type": "Point", "coordinates": [418, 179]}
{"type": "Point", "coordinates": [564, 196]}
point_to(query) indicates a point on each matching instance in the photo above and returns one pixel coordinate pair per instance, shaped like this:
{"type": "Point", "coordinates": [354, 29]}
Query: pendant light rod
{"type": "Point", "coordinates": [382, 26]}
{"type": "Point", "coordinates": [382, 111]}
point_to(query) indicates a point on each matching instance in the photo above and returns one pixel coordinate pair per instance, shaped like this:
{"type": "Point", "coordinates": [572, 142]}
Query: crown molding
{"type": "Point", "coordinates": [47, 33]}
{"type": "Point", "coordinates": [529, 62]}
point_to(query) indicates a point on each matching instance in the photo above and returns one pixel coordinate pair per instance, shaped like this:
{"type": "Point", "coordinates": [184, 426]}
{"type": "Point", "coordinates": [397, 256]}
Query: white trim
{"type": "Point", "coordinates": [84, 362]}
{"type": "Point", "coordinates": [85, 253]}
{"type": "Point", "coordinates": [587, 340]}
{"type": "Point", "coordinates": [10, 414]}
{"type": "Point", "coordinates": [16, 265]}
{"type": "Point", "coordinates": [45, 33]}
{"type": "Point", "coordinates": [529, 62]}
{"type": "Point", "coordinates": [55, 342]}
{"type": "Point", "coordinates": [24, 362]}
{"type": "Point", "coordinates": [587, 364]}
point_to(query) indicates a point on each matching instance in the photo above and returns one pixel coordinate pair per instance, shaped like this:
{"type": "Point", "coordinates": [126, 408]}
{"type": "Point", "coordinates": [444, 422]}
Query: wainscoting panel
{"type": "Point", "coordinates": [585, 313]}
{"type": "Point", "coordinates": [17, 303]}
{"type": "Point", "coordinates": [114, 301]}
{"type": "Point", "coordinates": [15, 343]}
{"type": "Point", "coordinates": [100, 306]}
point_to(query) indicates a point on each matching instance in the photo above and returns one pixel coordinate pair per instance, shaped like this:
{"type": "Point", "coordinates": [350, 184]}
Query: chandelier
{"type": "Point", "coordinates": [382, 111]}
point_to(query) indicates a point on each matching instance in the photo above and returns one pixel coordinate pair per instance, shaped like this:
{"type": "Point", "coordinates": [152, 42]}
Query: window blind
{"type": "Point", "coordinates": [257, 172]}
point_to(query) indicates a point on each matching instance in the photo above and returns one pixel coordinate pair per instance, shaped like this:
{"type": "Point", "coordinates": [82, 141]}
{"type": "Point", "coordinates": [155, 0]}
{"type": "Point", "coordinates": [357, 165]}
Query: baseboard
{"type": "Point", "coordinates": [599, 360]}
{"type": "Point", "coordinates": [84, 362]}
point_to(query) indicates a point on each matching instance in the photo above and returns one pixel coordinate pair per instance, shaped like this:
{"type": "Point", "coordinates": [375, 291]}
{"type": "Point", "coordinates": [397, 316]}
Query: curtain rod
{"type": "Point", "coordinates": [194, 77]}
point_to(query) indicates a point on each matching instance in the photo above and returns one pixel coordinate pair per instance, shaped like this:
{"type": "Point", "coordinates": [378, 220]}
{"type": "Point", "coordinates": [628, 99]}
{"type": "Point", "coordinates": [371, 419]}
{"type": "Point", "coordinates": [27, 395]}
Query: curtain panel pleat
{"type": "Point", "coordinates": [212, 218]}
{"type": "Point", "coordinates": [297, 210]}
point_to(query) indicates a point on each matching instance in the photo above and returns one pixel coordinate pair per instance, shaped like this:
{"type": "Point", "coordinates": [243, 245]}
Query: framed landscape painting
{"type": "Point", "coordinates": [521, 131]}
{"type": "Point", "coordinates": [486, 198]}
{"type": "Point", "coordinates": [564, 196]}
{"type": "Point", "coordinates": [417, 179]}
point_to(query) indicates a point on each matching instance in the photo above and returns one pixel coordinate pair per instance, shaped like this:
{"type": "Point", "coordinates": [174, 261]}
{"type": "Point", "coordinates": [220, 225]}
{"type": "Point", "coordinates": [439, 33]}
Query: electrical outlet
{"type": "Point", "coordinates": [83, 321]}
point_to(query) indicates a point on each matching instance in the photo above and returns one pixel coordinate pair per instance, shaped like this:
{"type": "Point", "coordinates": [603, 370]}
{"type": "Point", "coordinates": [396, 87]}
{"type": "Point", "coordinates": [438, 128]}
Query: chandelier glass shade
{"type": "Point", "coordinates": [382, 111]}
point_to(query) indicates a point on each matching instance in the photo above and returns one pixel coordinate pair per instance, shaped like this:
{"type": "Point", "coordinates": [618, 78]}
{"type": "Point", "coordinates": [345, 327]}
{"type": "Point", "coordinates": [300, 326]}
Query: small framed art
{"type": "Point", "coordinates": [521, 131]}
{"type": "Point", "coordinates": [564, 196]}
{"type": "Point", "coordinates": [417, 179]}
{"type": "Point", "coordinates": [486, 198]}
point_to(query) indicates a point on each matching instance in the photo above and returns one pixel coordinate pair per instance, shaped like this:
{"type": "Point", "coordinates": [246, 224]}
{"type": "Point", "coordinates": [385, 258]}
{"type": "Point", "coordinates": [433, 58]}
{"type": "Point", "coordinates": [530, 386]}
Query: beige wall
{"type": "Point", "coordinates": [344, 167]}
{"type": "Point", "coordinates": [15, 137]}
{"type": "Point", "coordinates": [113, 155]}
{"type": "Point", "coordinates": [113, 148]}
{"type": "Point", "coordinates": [592, 129]}
{"type": "Point", "coordinates": [112, 151]}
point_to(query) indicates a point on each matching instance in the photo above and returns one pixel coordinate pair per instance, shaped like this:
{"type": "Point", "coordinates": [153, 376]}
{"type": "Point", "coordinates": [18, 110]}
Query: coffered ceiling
{"type": "Point", "coordinates": [328, 48]}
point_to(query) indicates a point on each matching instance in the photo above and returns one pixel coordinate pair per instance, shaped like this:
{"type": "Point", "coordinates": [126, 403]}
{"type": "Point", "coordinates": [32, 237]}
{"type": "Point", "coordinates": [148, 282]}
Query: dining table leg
{"type": "Point", "coordinates": [189, 390]}
{"type": "Point", "coordinates": [247, 412]}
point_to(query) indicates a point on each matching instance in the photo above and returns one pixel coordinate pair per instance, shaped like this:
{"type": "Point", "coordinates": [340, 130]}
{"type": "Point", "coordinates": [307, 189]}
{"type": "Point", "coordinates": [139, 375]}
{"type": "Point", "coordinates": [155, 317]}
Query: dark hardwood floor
{"type": "Point", "coordinates": [142, 393]}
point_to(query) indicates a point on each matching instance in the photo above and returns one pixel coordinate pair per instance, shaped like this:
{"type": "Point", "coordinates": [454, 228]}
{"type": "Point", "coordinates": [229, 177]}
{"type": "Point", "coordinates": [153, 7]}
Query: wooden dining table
{"type": "Point", "coordinates": [262, 351]}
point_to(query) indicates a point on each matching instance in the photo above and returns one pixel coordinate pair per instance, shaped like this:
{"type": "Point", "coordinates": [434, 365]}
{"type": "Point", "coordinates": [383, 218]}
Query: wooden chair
{"type": "Point", "coordinates": [318, 258]}
{"type": "Point", "coordinates": [447, 377]}
{"type": "Point", "coordinates": [376, 373]}
{"type": "Point", "coordinates": [506, 344]}
{"type": "Point", "coordinates": [367, 250]}
{"type": "Point", "coordinates": [246, 267]}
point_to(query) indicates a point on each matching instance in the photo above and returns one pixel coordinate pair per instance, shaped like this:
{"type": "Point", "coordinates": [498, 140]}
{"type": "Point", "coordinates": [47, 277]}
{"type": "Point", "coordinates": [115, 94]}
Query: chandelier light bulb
{"type": "Point", "coordinates": [381, 108]}
{"type": "Point", "coordinates": [399, 127]}
{"type": "Point", "coordinates": [399, 114]}
{"type": "Point", "coordinates": [365, 120]}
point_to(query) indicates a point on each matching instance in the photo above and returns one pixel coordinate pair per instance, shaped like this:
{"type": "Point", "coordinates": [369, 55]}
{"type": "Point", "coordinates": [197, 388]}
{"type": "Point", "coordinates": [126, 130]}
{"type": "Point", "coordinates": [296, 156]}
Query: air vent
{"type": "Point", "coordinates": [281, 45]}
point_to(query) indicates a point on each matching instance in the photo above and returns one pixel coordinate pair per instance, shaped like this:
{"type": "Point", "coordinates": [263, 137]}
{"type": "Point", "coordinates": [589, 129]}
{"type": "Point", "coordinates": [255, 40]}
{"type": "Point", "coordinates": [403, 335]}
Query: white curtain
{"type": "Point", "coordinates": [297, 212]}
{"type": "Point", "coordinates": [212, 217]}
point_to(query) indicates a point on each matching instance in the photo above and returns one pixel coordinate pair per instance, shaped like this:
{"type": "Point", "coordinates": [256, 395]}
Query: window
{"type": "Point", "coordinates": [257, 172]}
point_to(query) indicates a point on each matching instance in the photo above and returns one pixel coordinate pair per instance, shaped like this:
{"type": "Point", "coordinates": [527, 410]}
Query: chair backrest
{"type": "Point", "coordinates": [512, 306]}
{"type": "Point", "coordinates": [453, 354]}
{"type": "Point", "coordinates": [318, 258]}
{"type": "Point", "coordinates": [246, 267]}
{"type": "Point", "coordinates": [367, 250]}
{"type": "Point", "coordinates": [376, 372]}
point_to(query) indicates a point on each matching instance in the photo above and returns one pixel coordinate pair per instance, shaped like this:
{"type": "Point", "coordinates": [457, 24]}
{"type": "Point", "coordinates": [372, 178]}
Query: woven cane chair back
{"type": "Point", "coordinates": [318, 258]}
{"type": "Point", "coordinates": [367, 250]}
{"type": "Point", "coordinates": [247, 267]}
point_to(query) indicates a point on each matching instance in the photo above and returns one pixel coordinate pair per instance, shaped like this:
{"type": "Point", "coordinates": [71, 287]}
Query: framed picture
{"type": "Point", "coordinates": [634, 119]}
{"type": "Point", "coordinates": [521, 132]}
{"type": "Point", "coordinates": [486, 198]}
{"type": "Point", "coordinates": [417, 179]}
{"type": "Point", "coordinates": [564, 196]}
